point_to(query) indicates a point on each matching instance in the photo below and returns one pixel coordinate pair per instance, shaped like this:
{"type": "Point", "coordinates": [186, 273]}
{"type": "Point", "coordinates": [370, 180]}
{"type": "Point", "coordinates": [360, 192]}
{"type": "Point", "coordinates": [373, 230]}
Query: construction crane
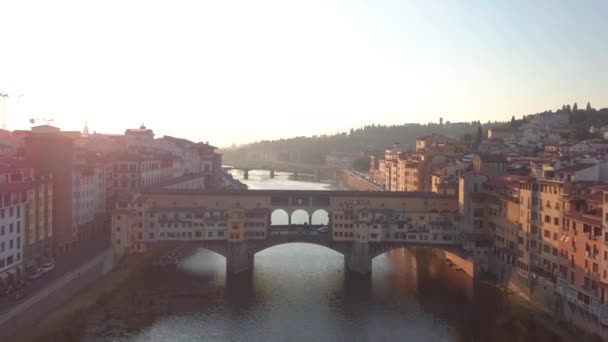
{"type": "Point", "coordinates": [3, 104]}
{"type": "Point", "coordinates": [4, 97]}
{"type": "Point", "coordinates": [46, 121]}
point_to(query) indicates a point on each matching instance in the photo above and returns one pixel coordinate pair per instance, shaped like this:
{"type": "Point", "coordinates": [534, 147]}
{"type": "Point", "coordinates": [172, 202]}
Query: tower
{"type": "Point", "coordinates": [85, 130]}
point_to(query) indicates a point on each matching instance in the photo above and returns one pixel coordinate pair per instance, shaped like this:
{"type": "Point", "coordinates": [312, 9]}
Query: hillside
{"type": "Point", "coordinates": [313, 149]}
{"type": "Point", "coordinates": [376, 137]}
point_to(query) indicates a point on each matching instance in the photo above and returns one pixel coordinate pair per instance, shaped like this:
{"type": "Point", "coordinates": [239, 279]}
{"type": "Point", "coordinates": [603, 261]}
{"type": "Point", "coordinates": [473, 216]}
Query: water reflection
{"type": "Point", "coordinates": [295, 291]}
{"type": "Point", "coordinates": [260, 179]}
{"type": "Point", "coordinates": [300, 292]}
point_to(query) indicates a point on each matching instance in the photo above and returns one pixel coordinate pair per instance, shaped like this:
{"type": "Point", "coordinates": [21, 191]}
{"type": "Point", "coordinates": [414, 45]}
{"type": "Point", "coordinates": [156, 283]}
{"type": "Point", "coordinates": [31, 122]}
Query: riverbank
{"type": "Point", "coordinates": [520, 316]}
{"type": "Point", "coordinates": [353, 182]}
{"type": "Point", "coordinates": [66, 323]}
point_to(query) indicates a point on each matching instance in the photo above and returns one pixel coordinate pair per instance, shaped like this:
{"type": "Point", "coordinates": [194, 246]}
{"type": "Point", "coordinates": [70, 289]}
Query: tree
{"type": "Point", "coordinates": [479, 136]}
{"type": "Point", "coordinates": [361, 164]}
{"type": "Point", "coordinates": [575, 107]}
{"type": "Point", "coordinates": [513, 121]}
{"type": "Point", "coordinates": [589, 107]}
{"type": "Point", "coordinates": [467, 138]}
{"type": "Point", "coordinates": [568, 109]}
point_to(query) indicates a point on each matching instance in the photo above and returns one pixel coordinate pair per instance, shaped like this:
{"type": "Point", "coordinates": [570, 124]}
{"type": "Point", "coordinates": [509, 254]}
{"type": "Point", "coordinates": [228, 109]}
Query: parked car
{"type": "Point", "coordinates": [36, 274]}
{"type": "Point", "coordinates": [47, 267]}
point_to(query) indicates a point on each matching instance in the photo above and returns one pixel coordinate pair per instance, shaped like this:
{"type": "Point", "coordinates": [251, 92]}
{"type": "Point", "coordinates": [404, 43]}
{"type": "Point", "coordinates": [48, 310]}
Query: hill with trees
{"type": "Point", "coordinates": [377, 137]}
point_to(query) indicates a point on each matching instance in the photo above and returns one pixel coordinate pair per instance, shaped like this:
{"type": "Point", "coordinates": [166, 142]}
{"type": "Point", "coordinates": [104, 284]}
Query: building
{"type": "Point", "coordinates": [13, 215]}
{"type": "Point", "coordinates": [432, 140]}
{"type": "Point", "coordinates": [161, 215]}
{"type": "Point", "coordinates": [38, 234]}
{"type": "Point", "coordinates": [52, 154]}
{"type": "Point", "coordinates": [340, 160]}
{"type": "Point", "coordinates": [138, 137]}
{"type": "Point", "coordinates": [88, 198]}
{"type": "Point", "coordinates": [39, 237]}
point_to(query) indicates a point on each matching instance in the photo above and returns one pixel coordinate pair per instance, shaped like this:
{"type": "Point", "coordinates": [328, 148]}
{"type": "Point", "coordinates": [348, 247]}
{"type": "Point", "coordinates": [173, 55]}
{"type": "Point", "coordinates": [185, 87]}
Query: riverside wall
{"type": "Point", "coordinates": [466, 264]}
{"type": "Point", "coordinates": [34, 308]}
{"type": "Point", "coordinates": [542, 293]}
{"type": "Point", "coordinates": [355, 183]}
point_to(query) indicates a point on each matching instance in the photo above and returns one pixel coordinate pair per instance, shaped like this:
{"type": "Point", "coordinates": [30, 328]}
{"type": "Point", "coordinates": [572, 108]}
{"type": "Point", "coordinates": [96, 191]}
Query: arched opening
{"type": "Point", "coordinates": [319, 217]}
{"type": "Point", "coordinates": [288, 249]}
{"type": "Point", "coordinates": [300, 216]}
{"type": "Point", "coordinates": [279, 217]}
{"type": "Point", "coordinates": [203, 261]}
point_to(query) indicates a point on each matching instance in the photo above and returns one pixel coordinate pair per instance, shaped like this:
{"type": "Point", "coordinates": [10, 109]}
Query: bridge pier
{"type": "Point", "coordinates": [246, 174]}
{"type": "Point", "coordinates": [358, 260]}
{"type": "Point", "coordinates": [317, 175]}
{"type": "Point", "coordinates": [271, 173]}
{"type": "Point", "coordinates": [238, 258]}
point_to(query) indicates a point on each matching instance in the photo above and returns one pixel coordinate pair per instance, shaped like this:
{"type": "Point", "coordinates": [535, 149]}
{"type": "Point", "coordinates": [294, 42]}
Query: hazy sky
{"type": "Point", "coordinates": [232, 71]}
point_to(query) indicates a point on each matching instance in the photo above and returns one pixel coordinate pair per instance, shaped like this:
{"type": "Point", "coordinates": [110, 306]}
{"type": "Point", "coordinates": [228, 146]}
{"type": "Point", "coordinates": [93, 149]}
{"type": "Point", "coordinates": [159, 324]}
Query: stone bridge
{"type": "Point", "coordinates": [358, 256]}
{"type": "Point", "coordinates": [319, 171]}
{"type": "Point", "coordinates": [237, 224]}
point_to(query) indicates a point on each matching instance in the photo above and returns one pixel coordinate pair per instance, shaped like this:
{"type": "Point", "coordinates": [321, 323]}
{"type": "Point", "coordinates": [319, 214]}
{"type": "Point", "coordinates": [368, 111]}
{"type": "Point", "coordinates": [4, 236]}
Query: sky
{"type": "Point", "coordinates": [241, 71]}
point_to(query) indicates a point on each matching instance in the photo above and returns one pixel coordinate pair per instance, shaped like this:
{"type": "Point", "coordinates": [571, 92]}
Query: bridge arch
{"type": "Point", "coordinates": [383, 248]}
{"type": "Point", "coordinates": [300, 216]}
{"type": "Point", "coordinates": [279, 217]}
{"type": "Point", "coordinates": [319, 216]}
{"type": "Point", "coordinates": [267, 247]}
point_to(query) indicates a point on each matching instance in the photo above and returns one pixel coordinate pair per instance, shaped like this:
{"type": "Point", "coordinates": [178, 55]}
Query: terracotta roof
{"type": "Point", "coordinates": [492, 158]}
{"type": "Point", "coordinates": [595, 221]}
{"type": "Point", "coordinates": [574, 168]}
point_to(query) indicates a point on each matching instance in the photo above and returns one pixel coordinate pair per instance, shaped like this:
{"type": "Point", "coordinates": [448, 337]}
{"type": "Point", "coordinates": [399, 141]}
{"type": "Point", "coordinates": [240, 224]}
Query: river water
{"type": "Point", "coordinates": [299, 292]}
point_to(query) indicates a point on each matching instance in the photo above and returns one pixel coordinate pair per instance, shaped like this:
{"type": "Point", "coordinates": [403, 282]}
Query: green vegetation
{"type": "Point", "coordinates": [312, 150]}
{"type": "Point", "coordinates": [362, 164]}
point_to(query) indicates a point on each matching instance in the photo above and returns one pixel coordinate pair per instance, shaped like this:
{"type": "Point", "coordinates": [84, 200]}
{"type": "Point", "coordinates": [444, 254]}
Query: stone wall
{"type": "Point", "coordinates": [355, 183]}
{"type": "Point", "coordinates": [542, 293]}
{"type": "Point", "coordinates": [464, 263]}
{"type": "Point", "coordinates": [34, 308]}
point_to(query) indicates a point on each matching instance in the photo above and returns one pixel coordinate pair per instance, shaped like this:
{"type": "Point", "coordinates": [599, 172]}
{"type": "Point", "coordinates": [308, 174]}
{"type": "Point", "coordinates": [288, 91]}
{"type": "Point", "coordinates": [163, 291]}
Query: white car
{"type": "Point", "coordinates": [323, 229]}
{"type": "Point", "coordinates": [36, 275]}
{"type": "Point", "coordinates": [47, 267]}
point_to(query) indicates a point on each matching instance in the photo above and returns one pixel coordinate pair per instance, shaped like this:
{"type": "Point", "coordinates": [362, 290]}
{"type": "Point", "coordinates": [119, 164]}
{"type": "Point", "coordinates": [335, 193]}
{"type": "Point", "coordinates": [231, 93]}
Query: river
{"type": "Point", "coordinates": [299, 292]}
